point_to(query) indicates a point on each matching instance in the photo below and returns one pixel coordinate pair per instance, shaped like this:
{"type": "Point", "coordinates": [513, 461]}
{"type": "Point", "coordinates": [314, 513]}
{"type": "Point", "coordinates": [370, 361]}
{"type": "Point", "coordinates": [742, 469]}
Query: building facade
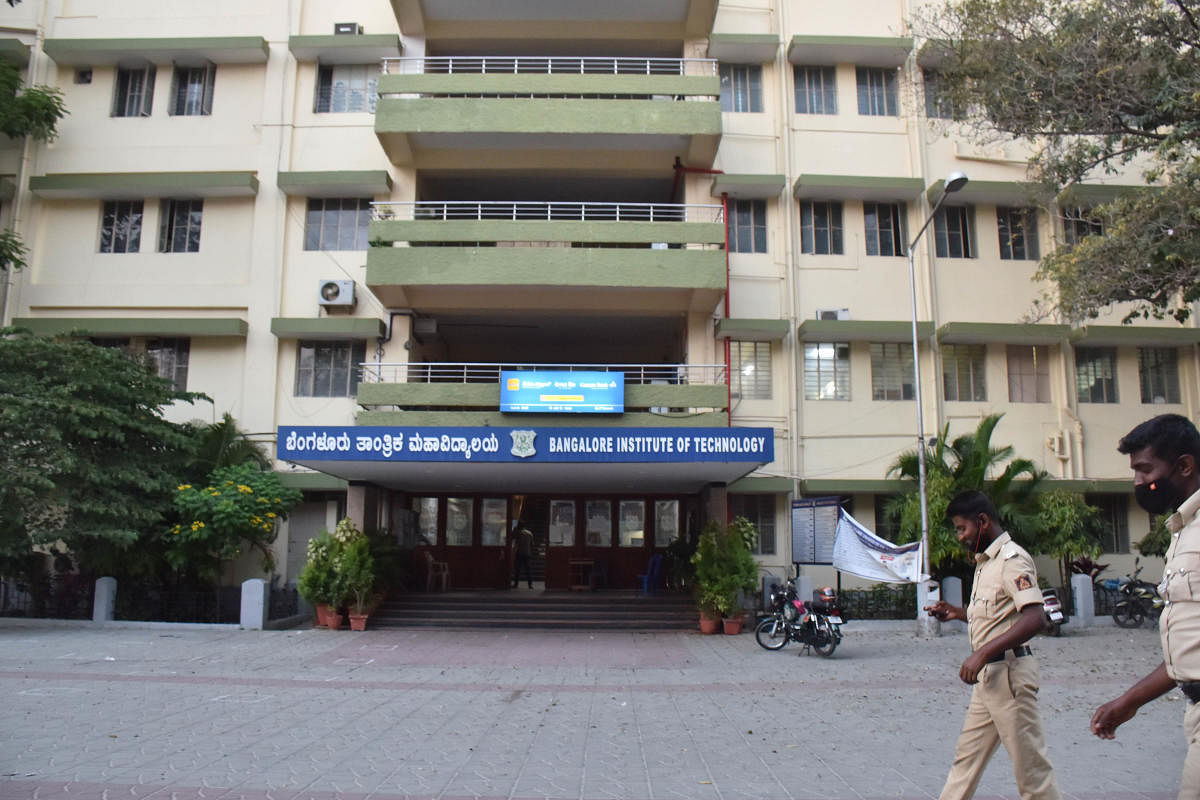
{"type": "Point", "coordinates": [352, 225]}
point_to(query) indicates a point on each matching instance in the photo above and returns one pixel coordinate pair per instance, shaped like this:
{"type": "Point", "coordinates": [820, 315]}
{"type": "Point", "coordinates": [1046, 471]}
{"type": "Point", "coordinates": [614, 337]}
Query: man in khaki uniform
{"type": "Point", "coordinates": [1005, 612]}
{"type": "Point", "coordinates": [1164, 454]}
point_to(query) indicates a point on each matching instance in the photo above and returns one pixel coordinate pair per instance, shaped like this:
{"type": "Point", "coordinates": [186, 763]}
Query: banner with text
{"type": "Point", "coordinates": [525, 445]}
{"type": "Point", "coordinates": [860, 552]}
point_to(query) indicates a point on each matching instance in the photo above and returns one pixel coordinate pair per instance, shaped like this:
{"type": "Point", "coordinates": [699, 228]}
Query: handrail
{"type": "Point", "coordinates": [548, 65]}
{"type": "Point", "coordinates": [537, 210]}
{"type": "Point", "coordinates": [487, 372]}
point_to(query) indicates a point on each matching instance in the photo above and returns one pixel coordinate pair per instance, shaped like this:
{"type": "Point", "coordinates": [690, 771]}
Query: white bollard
{"type": "Point", "coordinates": [952, 593]}
{"type": "Point", "coordinates": [255, 604]}
{"type": "Point", "coordinates": [105, 601]}
{"type": "Point", "coordinates": [1085, 601]}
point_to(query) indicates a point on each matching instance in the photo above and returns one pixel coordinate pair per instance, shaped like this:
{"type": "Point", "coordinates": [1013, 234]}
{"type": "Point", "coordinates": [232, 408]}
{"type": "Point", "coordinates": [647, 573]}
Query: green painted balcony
{"type": "Point", "coordinates": [446, 394]}
{"type": "Point", "coordinates": [657, 108]}
{"type": "Point", "coordinates": [600, 256]}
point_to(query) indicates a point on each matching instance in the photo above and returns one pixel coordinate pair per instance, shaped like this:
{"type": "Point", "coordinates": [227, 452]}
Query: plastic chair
{"type": "Point", "coordinates": [436, 572]}
{"type": "Point", "coordinates": [653, 576]}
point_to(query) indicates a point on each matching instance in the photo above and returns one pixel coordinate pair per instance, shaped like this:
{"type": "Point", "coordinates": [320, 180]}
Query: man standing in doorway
{"type": "Point", "coordinates": [1164, 454]}
{"type": "Point", "coordinates": [522, 556]}
{"type": "Point", "coordinates": [1005, 612]}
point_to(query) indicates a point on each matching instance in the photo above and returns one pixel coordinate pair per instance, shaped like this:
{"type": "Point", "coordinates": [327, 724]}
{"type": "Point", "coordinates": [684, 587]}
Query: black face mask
{"type": "Point", "coordinates": [1158, 496]}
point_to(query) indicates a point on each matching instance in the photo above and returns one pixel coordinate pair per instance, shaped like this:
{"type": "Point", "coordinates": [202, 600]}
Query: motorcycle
{"type": "Point", "coordinates": [1055, 618]}
{"type": "Point", "coordinates": [815, 625]}
{"type": "Point", "coordinates": [1138, 599]}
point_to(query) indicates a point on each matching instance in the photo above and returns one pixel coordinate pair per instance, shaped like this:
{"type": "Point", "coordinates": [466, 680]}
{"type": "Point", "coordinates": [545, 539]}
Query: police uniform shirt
{"type": "Point", "coordinates": [1005, 582]}
{"type": "Point", "coordinates": [1179, 626]}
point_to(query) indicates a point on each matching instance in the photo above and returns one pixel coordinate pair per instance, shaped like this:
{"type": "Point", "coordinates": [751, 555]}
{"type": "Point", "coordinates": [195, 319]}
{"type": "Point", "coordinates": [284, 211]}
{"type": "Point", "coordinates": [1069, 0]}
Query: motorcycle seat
{"type": "Point", "coordinates": [819, 607]}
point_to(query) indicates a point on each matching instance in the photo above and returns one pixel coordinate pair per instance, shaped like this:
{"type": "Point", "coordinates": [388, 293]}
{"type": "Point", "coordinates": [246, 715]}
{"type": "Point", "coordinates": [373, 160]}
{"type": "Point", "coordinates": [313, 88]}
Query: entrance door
{"type": "Point", "coordinates": [535, 516]}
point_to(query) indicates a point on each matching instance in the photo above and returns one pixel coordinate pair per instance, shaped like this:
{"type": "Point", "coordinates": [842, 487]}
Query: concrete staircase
{"type": "Point", "coordinates": [524, 608]}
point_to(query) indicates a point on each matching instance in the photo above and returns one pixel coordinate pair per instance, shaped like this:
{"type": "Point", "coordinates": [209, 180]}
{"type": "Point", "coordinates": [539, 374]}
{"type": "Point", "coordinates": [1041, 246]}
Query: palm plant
{"type": "Point", "coordinates": [221, 444]}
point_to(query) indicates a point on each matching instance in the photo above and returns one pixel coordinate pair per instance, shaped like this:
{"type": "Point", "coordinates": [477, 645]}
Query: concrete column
{"type": "Point", "coordinates": [715, 499]}
{"type": "Point", "coordinates": [105, 600]}
{"type": "Point", "coordinates": [255, 604]}
{"type": "Point", "coordinates": [362, 506]}
{"type": "Point", "coordinates": [927, 593]}
{"type": "Point", "coordinates": [1085, 601]}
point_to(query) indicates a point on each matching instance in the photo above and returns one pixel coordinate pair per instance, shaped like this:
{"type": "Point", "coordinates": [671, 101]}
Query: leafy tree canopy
{"type": "Point", "coordinates": [1097, 87]}
{"type": "Point", "coordinates": [85, 452]}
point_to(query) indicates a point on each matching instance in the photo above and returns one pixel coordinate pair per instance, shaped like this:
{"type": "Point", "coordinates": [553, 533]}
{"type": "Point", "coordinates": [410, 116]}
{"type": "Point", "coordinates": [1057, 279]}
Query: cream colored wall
{"type": "Point", "coordinates": [316, 16]}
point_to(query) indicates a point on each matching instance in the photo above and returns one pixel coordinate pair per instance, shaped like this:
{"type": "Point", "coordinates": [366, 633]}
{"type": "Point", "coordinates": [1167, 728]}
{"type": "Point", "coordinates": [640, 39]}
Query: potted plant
{"type": "Point", "coordinates": [724, 569]}
{"type": "Point", "coordinates": [317, 581]}
{"type": "Point", "coordinates": [358, 578]}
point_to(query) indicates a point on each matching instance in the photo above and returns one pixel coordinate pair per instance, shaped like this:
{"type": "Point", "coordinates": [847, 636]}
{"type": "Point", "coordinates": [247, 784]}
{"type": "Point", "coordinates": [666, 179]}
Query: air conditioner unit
{"type": "Point", "coordinates": [351, 28]}
{"type": "Point", "coordinates": [833, 313]}
{"type": "Point", "coordinates": [336, 293]}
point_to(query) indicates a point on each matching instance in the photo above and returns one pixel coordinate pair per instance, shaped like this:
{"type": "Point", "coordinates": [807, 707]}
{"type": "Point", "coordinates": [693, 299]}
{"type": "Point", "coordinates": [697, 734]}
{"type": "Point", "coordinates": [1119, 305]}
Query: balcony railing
{"type": "Point", "coordinates": [478, 372]}
{"type": "Point", "coordinates": [548, 65]}
{"type": "Point", "coordinates": [553, 211]}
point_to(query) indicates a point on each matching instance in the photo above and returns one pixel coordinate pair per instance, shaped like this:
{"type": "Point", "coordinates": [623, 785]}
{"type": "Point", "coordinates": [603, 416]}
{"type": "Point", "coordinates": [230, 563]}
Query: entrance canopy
{"type": "Point", "coordinates": [529, 459]}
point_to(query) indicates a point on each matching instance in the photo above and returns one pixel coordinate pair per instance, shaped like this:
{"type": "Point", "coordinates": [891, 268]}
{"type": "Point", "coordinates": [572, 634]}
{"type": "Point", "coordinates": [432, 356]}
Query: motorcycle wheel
{"type": "Point", "coordinates": [771, 634]}
{"type": "Point", "coordinates": [826, 644]}
{"type": "Point", "coordinates": [1128, 614]}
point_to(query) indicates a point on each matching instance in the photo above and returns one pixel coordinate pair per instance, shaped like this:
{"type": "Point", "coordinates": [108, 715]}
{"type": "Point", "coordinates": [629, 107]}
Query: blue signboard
{"type": "Point", "coordinates": [303, 443]}
{"type": "Point", "coordinates": [559, 392]}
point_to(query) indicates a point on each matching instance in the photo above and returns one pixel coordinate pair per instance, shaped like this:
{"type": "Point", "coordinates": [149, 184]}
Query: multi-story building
{"type": "Point", "coordinates": [357, 226]}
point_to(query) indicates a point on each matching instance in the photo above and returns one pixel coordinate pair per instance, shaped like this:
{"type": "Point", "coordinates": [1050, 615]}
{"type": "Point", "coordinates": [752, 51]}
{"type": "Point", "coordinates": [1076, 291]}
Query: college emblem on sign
{"type": "Point", "coordinates": [522, 446]}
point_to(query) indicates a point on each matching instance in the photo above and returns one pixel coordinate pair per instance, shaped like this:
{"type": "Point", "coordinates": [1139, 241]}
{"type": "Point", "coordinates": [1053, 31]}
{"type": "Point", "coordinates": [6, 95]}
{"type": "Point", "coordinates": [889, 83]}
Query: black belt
{"type": "Point", "coordinates": [1191, 689]}
{"type": "Point", "coordinates": [1024, 650]}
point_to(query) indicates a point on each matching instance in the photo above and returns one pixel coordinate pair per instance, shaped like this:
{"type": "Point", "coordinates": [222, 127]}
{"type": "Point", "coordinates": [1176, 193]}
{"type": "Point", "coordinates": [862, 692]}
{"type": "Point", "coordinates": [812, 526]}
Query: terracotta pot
{"type": "Point", "coordinates": [733, 625]}
{"type": "Point", "coordinates": [322, 615]}
{"type": "Point", "coordinates": [333, 620]}
{"type": "Point", "coordinates": [709, 624]}
{"type": "Point", "coordinates": [358, 622]}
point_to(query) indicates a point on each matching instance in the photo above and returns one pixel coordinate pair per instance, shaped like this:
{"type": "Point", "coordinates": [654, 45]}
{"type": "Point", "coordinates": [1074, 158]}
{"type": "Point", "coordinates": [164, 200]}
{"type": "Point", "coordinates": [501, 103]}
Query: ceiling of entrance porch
{"type": "Point", "coordinates": [599, 478]}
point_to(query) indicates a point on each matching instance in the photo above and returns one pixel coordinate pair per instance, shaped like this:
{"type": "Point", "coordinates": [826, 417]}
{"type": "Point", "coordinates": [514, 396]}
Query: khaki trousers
{"type": "Point", "coordinates": [1003, 709]}
{"type": "Point", "coordinates": [1189, 784]}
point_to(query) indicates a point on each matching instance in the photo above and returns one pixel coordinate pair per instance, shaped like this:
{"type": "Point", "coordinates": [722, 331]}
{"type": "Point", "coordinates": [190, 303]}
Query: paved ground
{"type": "Point", "coordinates": [118, 712]}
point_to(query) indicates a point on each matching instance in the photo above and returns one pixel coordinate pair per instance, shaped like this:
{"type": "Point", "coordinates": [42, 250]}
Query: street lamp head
{"type": "Point", "coordinates": [955, 181]}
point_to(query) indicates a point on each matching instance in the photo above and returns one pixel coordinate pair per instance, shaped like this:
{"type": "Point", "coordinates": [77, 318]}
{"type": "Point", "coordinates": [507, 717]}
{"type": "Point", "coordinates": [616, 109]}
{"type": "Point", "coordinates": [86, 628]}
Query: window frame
{"type": "Point", "coordinates": [760, 510]}
{"type": "Point", "coordinates": [936, 106]}
{"type": "Point", "coordinates": [964, 366]}
{"type": "Point", "coordinates": [170, 356]}
{"type": "Point", "coordinates": [1017, 231]}
{"type": "Point", "coordinates": [877, 89]}
{"type": "Point", "coordinates": [760, 354]}
{"type": "Point", "coordinates": [1163, 373]}
{"type": "Point", "coordinates": [876, 233]}
{"type": "Point", "coordinates": [1035, 369]}
{"type": "Point", "coordinates": [121, 226]}
{"type": "Point", "coordinates": [820, 372]}
{"type": "Point", "coordinates": [176, 215]}
{"type": "Point", "coordinates": [747, 226]}
{"type": "Point", "coordinates": [1078, 224]}
{"type": "Point", "coordinates": [127, 102]}
{"type": "Point", "coordinates": [1109, 390]}
{"type": "Point", "coordinates": [1114, 521]}
{"type": "Point", "coordinates": [185, 79]}
{"type": "Point", "coordinates": [962, 233]}
{"type": "Point", "coordinates": [325, 100]}
{"type": "Point", "coordinates": [892, 371]}
{"type": "Point", "coordinates": [324, 225]}
{"type": "Point", "coordinates": [349, 374]}
{"type": "Point", "coordinates": [814, 85]}
{"type": "Point", "coordinates": [833, 232]}
{"type": "Point", "coordinates": [741, 85]}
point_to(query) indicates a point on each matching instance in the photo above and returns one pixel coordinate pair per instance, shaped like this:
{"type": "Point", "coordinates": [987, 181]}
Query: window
{"type": "Point", "coordinates": [426, 509]}
{"type": "Point", "coordinates": [666, 522]}
{"type": "Point", "coordinates": [133, 92]}
{"type": "Point", "coordinates": [884, 228]}
{"type": "Point", "coordinates": [192, 91]}
{"type": "Point", "coordinates": [760, 510]}
{"type": "Point", "coordinates": [1158, 373]}
{"type": "Point", "coordinates": [1096, 374]}
{"type": "Point", "coordinates": [347, 88]}
{"type": "Point", "coordinates": [1018, 233]}
{"type": "Point", "coordinates": [963, 372]}
{"type": "Point", "coordinates": [1114, 521]}
{"type": "Point", "coordinates": [748, 226]}
{"type": "Point", "coordinates": [741, 87]}
{"type": "Point", "coordinates": [826, 371]}
{"type": "Point", "coordinates": [821, 228]}
{"type": "Point", "coordinates": [877, 95]}
{"type": "Point", "coordinates": [599, 523]}
{"type": "Point", "coordinates": [493, 521]}
{"type": "Point", "coordinates": [952, 226]}
{"type": "Point", "coordinates": [1079, 223]}
{"type": "Point", "coordinates": [936, 105]}
{"type": "Point", "coordinates": [891, 371]}
{"type": "Point", "coordinates": [886, 527]}
{"type": "Point", "coordinates": [179, 226]}
{"type": "Point", "coordinates": [816, 90]}
{"type": "Point", "coordinates": [121, 226]}
{"type": "Point", "coordinates": [329, 369]}
{"type": "Point", "coordinates": [337, 223]}
{"type": "Point", "coordinates": [750, 370]}
{"type": "Point", "coordinates": [1028, 374]}
{"type": "Point", "coordinates": [460, 521]}
{"type": "Point", "coordinates": [631, 523]}
{"type": "Point", "coordinates": [170, 357]}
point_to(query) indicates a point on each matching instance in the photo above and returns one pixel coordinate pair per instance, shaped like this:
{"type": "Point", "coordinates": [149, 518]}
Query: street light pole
{"type": "Point", "coordinates": [928, 626]}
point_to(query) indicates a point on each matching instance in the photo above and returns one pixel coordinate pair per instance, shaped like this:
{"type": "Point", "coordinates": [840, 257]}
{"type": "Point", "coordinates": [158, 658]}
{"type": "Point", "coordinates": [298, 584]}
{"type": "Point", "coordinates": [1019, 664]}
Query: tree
{"type": "Point", "coordinates": [1095, 87]}
{"type": "Point", "coordinates": [85, 453]}
{"type": "Point", "coordinates": [965, 463]}
{"type": "Point", "coordinates": [25, 111]}
{"type": "Point", "coordinates": [222, 444]}
{"type": "Point", "coordinates": [1069, 528]}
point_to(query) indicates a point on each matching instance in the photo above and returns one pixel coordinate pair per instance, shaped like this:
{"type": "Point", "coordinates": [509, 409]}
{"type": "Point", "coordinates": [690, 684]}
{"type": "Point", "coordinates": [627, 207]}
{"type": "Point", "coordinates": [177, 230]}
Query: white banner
{"type": "Point", "coordinates": [858, 551]}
